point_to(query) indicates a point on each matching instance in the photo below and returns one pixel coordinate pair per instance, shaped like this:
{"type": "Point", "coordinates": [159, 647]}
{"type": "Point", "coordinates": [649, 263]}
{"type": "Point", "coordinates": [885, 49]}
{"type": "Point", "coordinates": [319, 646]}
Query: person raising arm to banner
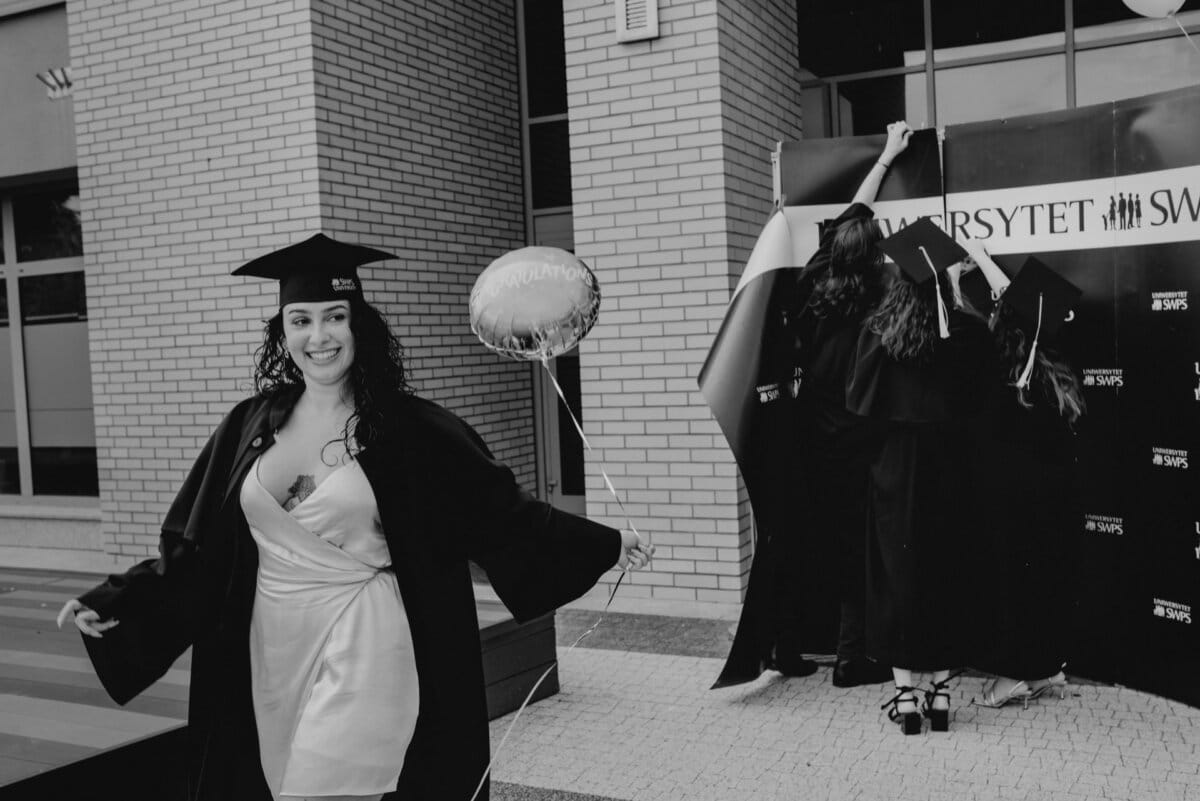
{"type": "Point", "coordinates": [919, 364]}
{"type": "Point", "coordinates": [843, 283]}
{"type": "Point", "coordinates": [794, 578]}
{"type": "Point", "coordinates": [1026, 449]}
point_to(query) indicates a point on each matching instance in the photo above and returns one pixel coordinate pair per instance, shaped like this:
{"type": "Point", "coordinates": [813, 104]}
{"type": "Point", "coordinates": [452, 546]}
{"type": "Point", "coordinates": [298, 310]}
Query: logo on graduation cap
{"type": "Point", "coordinates": [314, 270]}
{"type": "Point", "coordinates": [1042, 300]}
{"type": "Point", "coordinates": [923, 251]}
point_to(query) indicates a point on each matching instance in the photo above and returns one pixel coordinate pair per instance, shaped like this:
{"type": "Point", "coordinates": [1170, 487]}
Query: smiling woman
{"type": "Point", "coordinates": [341, 558]}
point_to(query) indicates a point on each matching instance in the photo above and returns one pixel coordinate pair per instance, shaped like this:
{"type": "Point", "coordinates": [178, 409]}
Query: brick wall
{"type": "Point", "coordinates": [210, 133]}
{"type": "Point", "coordinates": [197, 148]}
{"type": "Point", "coordinates": [670, 153]}
{"type": "Point", "coordinates": [418, 124]}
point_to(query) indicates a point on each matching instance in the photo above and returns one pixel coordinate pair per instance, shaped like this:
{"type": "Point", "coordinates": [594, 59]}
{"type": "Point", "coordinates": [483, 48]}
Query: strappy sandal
{"type": "Point", "coordinates": [910, 722]}
{"type": "Point", "coordinates": [939, 719]}
{"type": "Point", "coordinates": [1018, 693]}
{"type": "Point", "coordinates": [1056, 684]}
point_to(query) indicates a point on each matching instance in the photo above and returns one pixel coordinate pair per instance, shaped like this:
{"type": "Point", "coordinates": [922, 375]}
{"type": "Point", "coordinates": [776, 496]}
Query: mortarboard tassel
{"type": "Point", "coordinates": [943, 316]}
{"type": "Point", "coordinates": [1023, 381]}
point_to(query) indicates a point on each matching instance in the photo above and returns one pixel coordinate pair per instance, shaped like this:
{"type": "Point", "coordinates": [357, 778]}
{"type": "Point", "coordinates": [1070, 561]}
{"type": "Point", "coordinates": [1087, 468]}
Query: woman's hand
{"type": "Point", "coordinates": [978, 257]}
{"type": "Point", "coordinates": [634, 555]}
{"type": "Point", "coordinates": [898, 134]}
{"type": "Point", "coordinates": [86, 620]}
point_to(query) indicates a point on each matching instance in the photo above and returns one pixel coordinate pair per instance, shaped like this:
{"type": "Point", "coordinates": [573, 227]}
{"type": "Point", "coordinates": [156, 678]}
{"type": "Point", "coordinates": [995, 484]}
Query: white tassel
{"type": "Point", "coordinates": [1027, 373]}
{"type": "Point", "coordinates": [943, 316]}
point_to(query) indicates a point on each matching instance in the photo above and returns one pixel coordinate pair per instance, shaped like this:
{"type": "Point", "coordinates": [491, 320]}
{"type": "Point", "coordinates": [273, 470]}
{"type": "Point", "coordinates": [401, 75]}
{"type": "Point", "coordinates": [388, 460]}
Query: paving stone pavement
{"type": "Point", "coordinates": [645, 727]}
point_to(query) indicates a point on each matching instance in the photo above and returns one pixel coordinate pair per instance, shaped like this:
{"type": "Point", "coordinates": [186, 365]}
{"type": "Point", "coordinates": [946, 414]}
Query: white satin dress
{"type": "Point", "coordinates": [334, 680]}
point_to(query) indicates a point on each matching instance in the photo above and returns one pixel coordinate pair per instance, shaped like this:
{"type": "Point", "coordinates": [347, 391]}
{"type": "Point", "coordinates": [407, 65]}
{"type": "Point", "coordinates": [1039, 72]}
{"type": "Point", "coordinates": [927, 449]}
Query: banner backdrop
{"type": "Point", "coordinates": [751, 377]}
{"type": "Point", "coordinates": [1109, 197]}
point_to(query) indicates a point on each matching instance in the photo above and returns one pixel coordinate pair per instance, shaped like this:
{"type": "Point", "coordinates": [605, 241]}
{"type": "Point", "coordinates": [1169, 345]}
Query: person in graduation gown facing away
{"type": "Point", "coordinates": [316, 562]}
{"type": "Point", "coordinates": [1027, 495]}
{"type": "Point", "coordinates": [920, 362]}
{"type": "Point", "coordinates": [814, 561]}
{"type": "Point", "coordinates": [840, 286]}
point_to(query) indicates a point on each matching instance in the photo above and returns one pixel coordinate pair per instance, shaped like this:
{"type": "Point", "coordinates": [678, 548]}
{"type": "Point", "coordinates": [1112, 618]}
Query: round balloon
{"type": "Point", "coordinates": [534, 303]}
{"type": "Point", "coordinates": [1154, 8]}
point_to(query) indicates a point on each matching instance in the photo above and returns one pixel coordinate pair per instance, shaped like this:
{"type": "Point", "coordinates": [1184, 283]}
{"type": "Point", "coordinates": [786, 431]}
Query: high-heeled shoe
{"type": "Point", "coordinates": [939, 719]}
{"type": "Point", "coordinates": [1055, 684]}
{"type": "Point", "coordinates": [1018, 693]}
{"type": "Point", "coordinates": [910, 722]}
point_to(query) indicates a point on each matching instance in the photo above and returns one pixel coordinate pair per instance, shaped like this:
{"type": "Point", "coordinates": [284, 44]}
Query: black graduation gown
{"type": "Point", "coordinates": [921, 527]}
{"type": "Point", "coordinates": [1028, 497]}
{"type": "Point", "coordinates": [793, 596]}
{"type": "Point", "coordinates": [442, 500]}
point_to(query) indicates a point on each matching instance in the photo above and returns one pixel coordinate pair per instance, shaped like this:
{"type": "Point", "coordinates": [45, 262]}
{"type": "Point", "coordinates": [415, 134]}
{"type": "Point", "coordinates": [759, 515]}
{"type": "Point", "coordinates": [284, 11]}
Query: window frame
{"type": "Point", "coordinates": [11, 272]}
{"type": "Point", "coordinates": [931, 65]}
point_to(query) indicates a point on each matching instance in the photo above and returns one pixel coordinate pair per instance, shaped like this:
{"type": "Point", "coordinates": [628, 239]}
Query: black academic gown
{"type": "Point", "coordinates": [795, 586]}
{"type": "Point", "coordinates": [1028, 498]}
{"type": "Point", "coordinates": [442, 500]}
{"type": "Point", "coordinates": [921, 527]}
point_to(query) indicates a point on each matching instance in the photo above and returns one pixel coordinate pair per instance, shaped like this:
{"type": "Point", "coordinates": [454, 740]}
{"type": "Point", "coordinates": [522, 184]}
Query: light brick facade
{"type": "Point", "coordinates": [197, 148]}
{"type": "Point", "coordinates": [670, 152]}
{"type": "Point", "coordinates": [419, 145]}
{"type": "Point", "coordinates": [209, 133]}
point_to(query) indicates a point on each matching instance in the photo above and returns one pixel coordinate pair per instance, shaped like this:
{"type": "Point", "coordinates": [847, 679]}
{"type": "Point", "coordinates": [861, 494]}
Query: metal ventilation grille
{"type": "Point", "coordinates": [637, 20]}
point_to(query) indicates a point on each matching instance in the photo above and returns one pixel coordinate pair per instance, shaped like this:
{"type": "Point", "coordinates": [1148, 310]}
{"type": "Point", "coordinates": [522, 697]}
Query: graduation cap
{"type": "Point", "coordinates": [317, 269]}
{"type": "Point", "coordinates": [922, 251]}
{"type": "Point", "coordinates": [1041, 300]}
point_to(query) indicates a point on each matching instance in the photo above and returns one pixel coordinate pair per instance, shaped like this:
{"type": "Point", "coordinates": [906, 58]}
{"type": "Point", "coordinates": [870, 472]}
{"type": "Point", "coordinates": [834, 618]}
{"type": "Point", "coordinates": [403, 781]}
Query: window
{"type": "Point", "coordinates": [47, 436]}
{"type": "Point", "coordinates": [550, 222]}
{"type": "Point", "coordinates": [869, 62]}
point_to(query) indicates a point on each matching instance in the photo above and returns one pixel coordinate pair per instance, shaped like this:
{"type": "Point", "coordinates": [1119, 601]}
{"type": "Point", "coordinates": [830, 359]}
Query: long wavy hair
{"type": "Point", "coordinates": [376, 375]}
{"type": "Point", "coordinates": [853, 282]}
{"type": "Point", "coordinates": [906, 319]}
{"type": "Point", "coordinates": [1052, 375]}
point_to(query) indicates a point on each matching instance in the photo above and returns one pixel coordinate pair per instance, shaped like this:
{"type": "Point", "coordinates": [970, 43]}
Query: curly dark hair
{"type": "Point", "coordinates": [1052, 375]}
{"type": "Point", "coordinates": [376, 375]}
{"type": "Point", "coordinates": [906, 320]}
{"type": "Point", "coordinates": [853, 280]}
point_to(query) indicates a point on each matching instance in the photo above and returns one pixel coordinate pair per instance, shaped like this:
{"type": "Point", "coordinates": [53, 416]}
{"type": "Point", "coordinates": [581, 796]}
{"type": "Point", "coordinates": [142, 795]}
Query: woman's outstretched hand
{"type": "Point", "coordinates": [86, 620]}
{"type": "Point", "coordinates": [898, 134]}
{"type": "Point", "coordinates": [634, 554]}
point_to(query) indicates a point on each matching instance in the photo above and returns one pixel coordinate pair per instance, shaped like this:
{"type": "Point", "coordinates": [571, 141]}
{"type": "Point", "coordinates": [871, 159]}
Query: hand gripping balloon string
{"type": "Point", "coordinates": [612, 594]}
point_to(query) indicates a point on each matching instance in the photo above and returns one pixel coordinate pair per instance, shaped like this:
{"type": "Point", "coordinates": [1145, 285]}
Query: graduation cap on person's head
{"type": "Point", "coordinates": [1041, 301]}
{"type": "Point", "coordinates": [923, 251]}
{"type": "Point", "coordinates": [314, 270]}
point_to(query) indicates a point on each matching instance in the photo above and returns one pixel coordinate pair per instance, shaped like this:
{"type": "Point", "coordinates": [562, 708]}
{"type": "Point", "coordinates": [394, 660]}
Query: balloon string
{"type": "Point", "coordinates": [612, 593]}
{"type": "Point", "coordinates": [607, 481]}
{"type": "Point", "coordinates": [487, 771]}
{"type": "Point", "coordinates": [1185, 33]}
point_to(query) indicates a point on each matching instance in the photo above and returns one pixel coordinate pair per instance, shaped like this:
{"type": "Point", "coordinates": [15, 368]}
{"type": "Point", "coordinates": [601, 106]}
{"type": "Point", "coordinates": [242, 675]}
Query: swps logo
{"type": "Point", "coordinates": [1169, 610]}
{"type": "Point", "coordinates": [1104, 377]}
{"type": "Point", "coordinates": [1169, 457]}
{"type": "Point", "coordinates": [1103, 524]}
{"type": "Point", "coordinates": [767, 393]}
{"type": "Point", "coordinates": [1169, 301]}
